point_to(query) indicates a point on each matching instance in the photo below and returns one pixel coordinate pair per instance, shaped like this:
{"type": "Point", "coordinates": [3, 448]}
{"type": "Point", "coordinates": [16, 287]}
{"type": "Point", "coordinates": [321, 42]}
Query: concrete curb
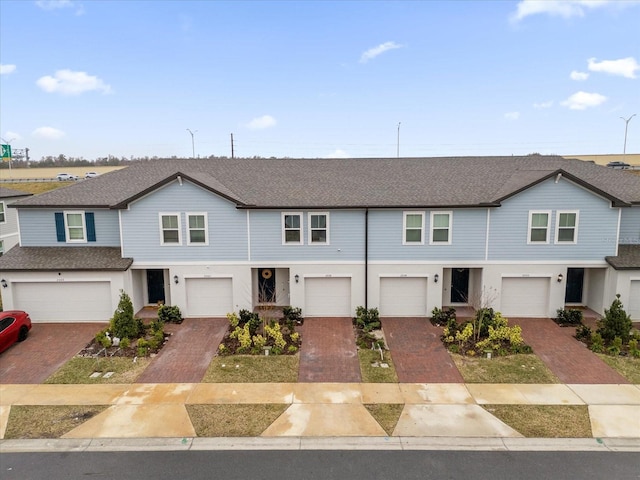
{"type": "Point", "coordinates": [322, 443]}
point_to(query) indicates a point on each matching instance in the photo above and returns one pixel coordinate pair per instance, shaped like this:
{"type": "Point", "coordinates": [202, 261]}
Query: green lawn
{"type": "Point", "coordinates": [252, 369]}
{"type": "Point", "coordinates": [79, 370]}
{"type": "Point", "coordinates": [519, 368]}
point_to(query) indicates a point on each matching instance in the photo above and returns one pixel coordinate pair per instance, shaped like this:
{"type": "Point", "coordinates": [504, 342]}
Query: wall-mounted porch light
{"type": "Point", "coordinates": [176, 279]}
{"type": "Point", "coordinates": [435, 278]}
{"type": "Point", "coordinates": [297, 277]}
{"type": "Point", "coordinates": [4, 284]}
{"type": "Point", "coordinates": [560, 278]}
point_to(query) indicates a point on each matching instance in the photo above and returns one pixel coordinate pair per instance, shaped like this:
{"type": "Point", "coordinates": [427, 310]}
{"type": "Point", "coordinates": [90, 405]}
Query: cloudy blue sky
{"type": "Point", "coordinates": [319, 78]}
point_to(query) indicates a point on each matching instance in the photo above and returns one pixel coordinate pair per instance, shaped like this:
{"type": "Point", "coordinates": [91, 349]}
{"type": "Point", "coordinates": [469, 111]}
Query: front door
{"type": "Point", "coordinates": [575, 282]}
{"type": "Point", "coordinates": [155, 286]}
{"type": "Point", "coordinates": [459, 285]}
{"type": "Point", "coordinates": [266, 285]}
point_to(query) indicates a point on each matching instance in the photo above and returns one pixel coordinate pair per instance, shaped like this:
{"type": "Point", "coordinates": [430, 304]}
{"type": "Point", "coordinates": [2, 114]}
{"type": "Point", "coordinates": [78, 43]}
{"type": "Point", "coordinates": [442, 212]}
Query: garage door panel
{"type": "Point", "coordinates": [209, 297]}
{"type": "Point", "coordinates": [403, 297]}
{"type": "Point", "coordinates": [525, 297]}
{"type": "Point", "coordinates": [634, 300]}
{"type": "Point", "coordinates": [327, 297]}
{"type": "Point", "coordinates": [65, 302]}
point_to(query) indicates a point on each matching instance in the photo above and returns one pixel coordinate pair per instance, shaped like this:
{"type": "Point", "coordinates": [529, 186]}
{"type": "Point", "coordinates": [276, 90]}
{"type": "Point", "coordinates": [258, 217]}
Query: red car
{"type": "Point", "coordinates": [14, 327]}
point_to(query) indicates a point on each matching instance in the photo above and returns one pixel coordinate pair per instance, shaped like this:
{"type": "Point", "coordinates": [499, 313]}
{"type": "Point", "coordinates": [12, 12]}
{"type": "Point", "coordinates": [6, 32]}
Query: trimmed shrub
{"type": "Point", "coordinates": [616, 323]}
{"type": "Point", "coordinates": [367, 320]}
{"type": "Point", "coordinates": [443, 317]}
{"type": "Point", "coordinates": [571, 316]}
{"type": "Point", "coordinates": [170, 314]}
{"type": "Point", "coordinates": [123, 324]}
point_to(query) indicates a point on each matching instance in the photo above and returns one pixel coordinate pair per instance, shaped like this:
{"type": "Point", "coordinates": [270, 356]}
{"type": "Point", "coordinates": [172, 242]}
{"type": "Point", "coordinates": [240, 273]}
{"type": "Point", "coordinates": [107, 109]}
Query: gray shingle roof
{"type": "Point", "coordinates": [344, 183]}
{"type": "Point", "coordinates": [11, 192]}
{"type": "Point", "coordinates": [628, 258]}
{"type": "Point", "coordinates": [64, 258]}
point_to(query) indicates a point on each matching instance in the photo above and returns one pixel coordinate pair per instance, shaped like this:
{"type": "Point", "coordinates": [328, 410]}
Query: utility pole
{"type": "Point", "coordinates": [626, 126]}
{"type": "Point", "coordinates": [232, 153]}
{"type": "Point", "coordinates": [398, 142]}
{"type": "Point", "coordinates": [193, 145]}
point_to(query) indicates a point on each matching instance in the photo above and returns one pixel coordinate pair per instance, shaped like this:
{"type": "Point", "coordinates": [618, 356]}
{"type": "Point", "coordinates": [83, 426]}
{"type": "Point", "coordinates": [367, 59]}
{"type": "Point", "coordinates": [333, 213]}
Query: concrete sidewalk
{"type": "Point", "coordinates": [328, 410]}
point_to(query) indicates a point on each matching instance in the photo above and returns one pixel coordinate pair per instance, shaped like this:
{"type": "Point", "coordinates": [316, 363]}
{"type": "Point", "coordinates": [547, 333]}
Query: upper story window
{"type": "Point", "coordinates": [319, 228]}
{"type": "Point", "coordinates": [413, 228]}
{"type": "Point", "coordinates": [170, 233]}
{"type": "Point", "coordinates": [566, 226]}
{"type": "Point", "coordinates": [197, 229]}
{"type": "Point", "coordinates": [538, 227]}
{"type": "Point", "coordinates": [440, 228]}
{"type": "Point", "coordinates": [3, 217]}
{"type": "Point", "coordinates": [292, 228]}
{"type": "Point", "coordinates": [75, 226]}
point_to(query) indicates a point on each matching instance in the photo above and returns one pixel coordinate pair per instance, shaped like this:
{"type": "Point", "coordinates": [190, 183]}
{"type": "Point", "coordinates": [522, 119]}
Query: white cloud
{"type": "Point", "coordinates": [7, 69]}
{"type": "Point", "coordinates": [624, 67]}
{"type": "Point", "coordinates": [380, 49]}
{"type": "Point", "coordinates": [68, 82]}
{"type": "Point", "coordinates": [11, 136]}
{"type": "Point", "coordinates": [541, 105]}
{"type": "Point", "coordinates": [265, 121]}
{"type": "Point", "coordinates": [48, 133]}
{"type": "Point", "coordinates": [337, 153]}
{"type": "Point", "coordinates": [564, 8]}
{"type": "Point", "coordinates": [583, 100]}
{"type": "Point", "coordinates": [579, 76]}
{"type": "Point", "coordinates": [512, 115]}
{"type": "Point", "coordinates": [60, 4]}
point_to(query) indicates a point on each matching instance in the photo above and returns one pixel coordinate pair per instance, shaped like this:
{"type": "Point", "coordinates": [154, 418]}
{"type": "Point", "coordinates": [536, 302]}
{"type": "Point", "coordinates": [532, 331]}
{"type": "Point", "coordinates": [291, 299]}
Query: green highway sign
{"type": "Point", "coordinates": [6, 153]}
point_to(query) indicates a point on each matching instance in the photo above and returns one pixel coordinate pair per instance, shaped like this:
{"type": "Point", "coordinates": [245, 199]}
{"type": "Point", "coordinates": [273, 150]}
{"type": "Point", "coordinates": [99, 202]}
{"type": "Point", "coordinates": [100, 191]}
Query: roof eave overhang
{"type": "Point", "coordinates": [363, 207]}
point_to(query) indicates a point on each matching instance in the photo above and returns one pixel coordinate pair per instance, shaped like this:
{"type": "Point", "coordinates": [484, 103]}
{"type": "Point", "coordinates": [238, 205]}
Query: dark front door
{"type": "Point", "coordinates": [266, 285]}
{"type": "Point", "coordinates": [459, 285]}
{"type": "Point", "coordinates": [575, 282]}
{"type": "Point", "coordinates": [155, 285]}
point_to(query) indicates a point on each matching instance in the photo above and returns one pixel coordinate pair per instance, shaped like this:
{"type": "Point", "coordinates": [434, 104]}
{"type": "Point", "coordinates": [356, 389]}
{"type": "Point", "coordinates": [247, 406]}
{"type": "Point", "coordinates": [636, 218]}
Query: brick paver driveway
{"type": "Point", "coordinates": [47, 348]}
{"type": "Point", "coordinates": [328, 352]}
{"type": "Point", "coordinates": [417, 351]}
{"type": "Point", "coordinates": [570, 360]}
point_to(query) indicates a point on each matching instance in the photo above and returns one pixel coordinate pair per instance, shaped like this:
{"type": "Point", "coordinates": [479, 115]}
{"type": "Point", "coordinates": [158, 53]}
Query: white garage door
{"type": "Point", "coordinates": [403, 297]}
{"type": "Point", "coordinates": [525, 297]}
{"type": "Point", "coordinates": [327, 297]}
{"type": "Point", "coordinates": [634, 300]}
{"type": "Point", "coordinates": [209, 297]}
{"type": "Point", "coordinates": [65, 302]}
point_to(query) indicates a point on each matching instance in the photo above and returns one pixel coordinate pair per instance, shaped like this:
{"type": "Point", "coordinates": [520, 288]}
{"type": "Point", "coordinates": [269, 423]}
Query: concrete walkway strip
{"type": "Point", "coordinates": [608, 394]}
{"type": "Point", "coordinates": [621, 421]}
{"type": "Point", "coordinates": [241, 393]}
{"type": "Point", "coordinates": [437, 393]}
{"type": "Point", "coordinates": [523, 394]}
{"type": "Point", "coordinates": [155, 393]}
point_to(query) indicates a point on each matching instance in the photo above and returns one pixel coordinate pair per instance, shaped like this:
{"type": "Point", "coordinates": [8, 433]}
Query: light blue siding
{"type": "Point", "coordinates": [227, 226]}
{"type": "Point", "coordinates": [346, 238]}
{"type": "Point", "coordinates": [38, 228]}
{"type": "Point", "coordinates": [597, 224]}
{"type": "Point", "coordinates": [468, 237]}
{"type": "Point", "coordinates": [630, 226]}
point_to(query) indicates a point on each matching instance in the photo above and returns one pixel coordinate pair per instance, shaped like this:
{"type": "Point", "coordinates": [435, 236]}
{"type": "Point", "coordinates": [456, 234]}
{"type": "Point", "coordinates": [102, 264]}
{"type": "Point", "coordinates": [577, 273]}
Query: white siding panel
{"type": "Point", "coordinates": [403, 297]}
{"type": "Point", "coordinates": [65, 302]}
{"type": "Point", "coordinates": [525, 297]}
{"type": "Point", "coordinates": [209, 297]}
{"type": "Point", "coordinates": [634, 300]}
{"type": "Point", "coordinates": [327, 297]}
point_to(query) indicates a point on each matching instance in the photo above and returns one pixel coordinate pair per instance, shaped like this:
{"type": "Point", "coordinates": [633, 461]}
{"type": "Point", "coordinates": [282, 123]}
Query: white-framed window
{"type": "Point", "coordinates": [413, 228]}
{"type": "Point", "coordinates": [197, 228]}
{"type": "Point", "coordinates": [567, 226]}
{"type": "Point", "coordinates": [75, 226]}
{"type": "Point", "coordinates": [1, 247]}
{"type": "Point", "coordinates": [538, 231]}
{"type": "Point", "coordinates": [319, 228]}
{"type": "Point", "coordinates": [292, 228]}
{"type": "Point", "coordinates": [440, 228]}
{"type": "Point", "coordinates": [170, 231]}
{"type": "Point", "coordinates": [3, 215]}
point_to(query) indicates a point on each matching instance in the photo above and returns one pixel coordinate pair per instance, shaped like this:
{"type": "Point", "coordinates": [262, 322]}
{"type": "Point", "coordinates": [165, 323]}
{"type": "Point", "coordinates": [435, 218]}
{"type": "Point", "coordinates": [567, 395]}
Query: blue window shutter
{"type": "Point", "coordinates": [60, 234]}
{"type": "Point", "coordinates": [91, 226]}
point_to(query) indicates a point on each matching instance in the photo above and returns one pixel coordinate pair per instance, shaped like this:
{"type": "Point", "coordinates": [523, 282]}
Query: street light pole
{"type": "Point", "coordinates": [626, 126]}
{"type": "Point", "coordinates": [193, 145]}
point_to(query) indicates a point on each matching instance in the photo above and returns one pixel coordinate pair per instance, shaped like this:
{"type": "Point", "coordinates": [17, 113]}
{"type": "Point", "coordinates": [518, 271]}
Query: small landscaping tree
{"type": "Point", "coordinates": [123, 324]}
{"type": "Point", "coordinates": [616, 323]}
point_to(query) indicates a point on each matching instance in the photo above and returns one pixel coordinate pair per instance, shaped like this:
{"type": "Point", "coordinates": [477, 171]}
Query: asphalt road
{"type": "Point", "coordinates": [312, 465]}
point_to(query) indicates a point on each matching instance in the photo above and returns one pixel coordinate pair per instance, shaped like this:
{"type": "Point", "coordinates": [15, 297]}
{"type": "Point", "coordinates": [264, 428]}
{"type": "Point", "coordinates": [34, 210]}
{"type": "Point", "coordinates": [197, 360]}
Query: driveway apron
{"type": "Point", "coordinates": [186, 356]}
{"type": "Point", "coordinates": [328, 352]}
{"type": "Point", "coordinates": [417, 351]}
{"type": "Point", "coordinates": [570, 360]}
{"type": "Point", "coordinates": [46, 349]}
